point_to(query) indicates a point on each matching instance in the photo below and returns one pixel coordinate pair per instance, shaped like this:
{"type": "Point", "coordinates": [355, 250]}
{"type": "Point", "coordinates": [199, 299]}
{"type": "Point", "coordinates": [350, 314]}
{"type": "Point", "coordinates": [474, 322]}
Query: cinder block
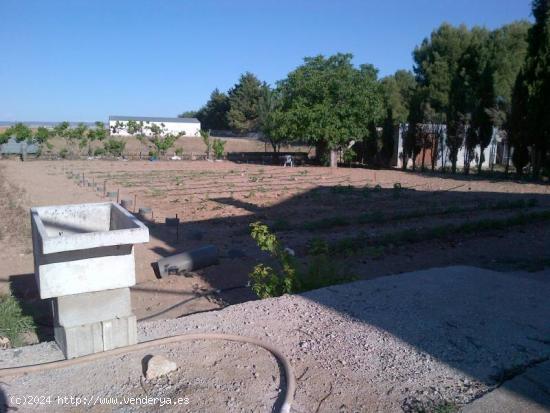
{"type": "Point", "coordinates": [91, 338]}
{"type": "Point", "coordinates": [80, 309]}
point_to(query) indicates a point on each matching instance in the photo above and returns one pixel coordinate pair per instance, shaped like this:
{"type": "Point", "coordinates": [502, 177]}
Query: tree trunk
{"type": "Point", "coordinates": [423, 156]}
{"type": "Point", "coordinates": [333, 158]}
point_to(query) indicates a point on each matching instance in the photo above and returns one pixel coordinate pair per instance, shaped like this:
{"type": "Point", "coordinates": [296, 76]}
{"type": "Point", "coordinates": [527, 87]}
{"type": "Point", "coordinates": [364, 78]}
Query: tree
{"type": "Point", "coordinates": [60, 130]}
{"type": "Point", "coordinates": [189, 114]}
{"type": "Point", "coordinates": [517, 124]}
{"type": "Point", "coordinates": [328, 102]}
{"type": "Point", "coordinates": [436, 63]}
{"type": "Point", "coordinates": [20, 132]}
{"type": "Point", "coordinates": [508, 48]}
{"type": "Point", "coordinates": [213, 115]}
{"type": "Point", "coordinates": [115, 147]}
{"type": "Point", "coordinates": [244, 98]}
{"type": "Point", "coordinates": [388, 138]}
{"type": "Point", "coordinates": [77, 136]}
{"type": "Point", "coordinates": [205, 135]}
{"type": "Point", "coordinates": [269, 115]}
{"type": "Point", "coordinates": [137, 129]}
{"type": "Point", "coordinates": [397, 90]}
{"type": "Point", "coordinates": [474, 78]}
{"type": "Point", "coordinates": [218, 146]}
{"type": "Point", "coordinates": [537, 79]}
{"type": "Point", "coordinates": [160, 139]}
{"type": "Point", "coordinates": [97, 133]}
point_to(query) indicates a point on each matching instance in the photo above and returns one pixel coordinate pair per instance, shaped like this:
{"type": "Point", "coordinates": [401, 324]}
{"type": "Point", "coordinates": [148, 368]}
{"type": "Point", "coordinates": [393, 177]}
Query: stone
{"type": "Point", "coordinates": [158, 366]}
{"type": "Point", "coordinates": [5, 343]}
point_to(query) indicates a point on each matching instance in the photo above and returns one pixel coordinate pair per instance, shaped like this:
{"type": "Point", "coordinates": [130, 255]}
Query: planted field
{"type": "Point", "coordinates": [343, 224]}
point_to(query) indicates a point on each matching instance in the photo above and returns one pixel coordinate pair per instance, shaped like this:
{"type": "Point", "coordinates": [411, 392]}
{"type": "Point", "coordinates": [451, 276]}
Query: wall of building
{"type": "Point", "coordinates": [489, 153]}
{"type": "Point", "coordinates": [190, 129]}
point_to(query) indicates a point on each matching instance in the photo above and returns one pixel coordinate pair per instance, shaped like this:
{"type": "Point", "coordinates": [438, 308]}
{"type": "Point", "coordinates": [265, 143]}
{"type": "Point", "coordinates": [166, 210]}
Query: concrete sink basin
{"type": "Point", "coordinates": [84, 248]}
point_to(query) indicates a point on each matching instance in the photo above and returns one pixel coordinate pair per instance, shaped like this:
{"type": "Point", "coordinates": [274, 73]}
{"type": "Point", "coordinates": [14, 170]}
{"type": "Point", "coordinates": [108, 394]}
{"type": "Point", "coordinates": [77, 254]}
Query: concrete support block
{"type": "Point", "coordinates": [87, 308]}
{"type": "Point", "coordinates": [92, 338]}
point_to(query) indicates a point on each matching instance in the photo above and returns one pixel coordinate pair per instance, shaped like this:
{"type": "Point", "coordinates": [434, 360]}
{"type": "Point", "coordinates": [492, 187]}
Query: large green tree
{"type": "Point", "coordinates": [537, 80]}
{"type": "Point", "coordinates": [244, 99]}
{"type": "Point", "coordinates": [328, 102]}
{"type": "Point", "coordinates": [398, 89]}
{"type": "Point", "coordinates": [213, 115]}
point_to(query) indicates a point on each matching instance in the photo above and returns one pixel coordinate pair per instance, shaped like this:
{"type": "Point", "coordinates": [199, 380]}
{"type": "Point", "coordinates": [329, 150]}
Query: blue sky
{"type": "Point", "coordinates": [83, 60]}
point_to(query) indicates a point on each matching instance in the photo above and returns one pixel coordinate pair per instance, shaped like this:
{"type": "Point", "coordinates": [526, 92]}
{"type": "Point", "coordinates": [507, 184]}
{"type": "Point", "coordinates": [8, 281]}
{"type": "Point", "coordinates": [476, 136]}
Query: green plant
{"type": "Point", "coordinates": [349, 155]}
{"type": "Point", "coordinates": [99, 152]}
{"type": "Point", "coordinates": [267, 282]}
{"type": "Point", "coordinates": [63, 153]}
{"type": "Point", "coordinates": [114, 147]}
{"type": "Point", "coordinates": [290, 276]}
{"type": "Point", "coordinates": [218, 146]}
{"type": "Point", "coordinates": [179, 151]}
{"type": "Point", "coordinates": [205, 135]}
{"type": "Point", "coordinates": [13, 323]}
{"type": "Point", "coordinates": [318, 246]}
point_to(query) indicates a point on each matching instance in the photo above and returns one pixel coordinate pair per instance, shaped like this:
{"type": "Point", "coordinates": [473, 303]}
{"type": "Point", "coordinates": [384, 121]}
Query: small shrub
{"type": "Point", "coordinates": [115, 147]}
{"type": "Point", "coordinates": [290, 276]}
{"type": "Point", "coordinates": [99, 152]}
{"type": "Point", "coordinates": [349, 156]}
{"type": "Point", "coordinates": [179, 151]}
{"type": "Point", "coordinates": [63, 153]}
{"type": "Point", "coordinates": [318, 246]}
{"type": "Point", "coordinates": [218, 146]}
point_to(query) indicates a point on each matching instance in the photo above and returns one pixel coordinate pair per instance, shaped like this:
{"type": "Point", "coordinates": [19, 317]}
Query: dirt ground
{"type": "Point", "coordinates": [216, 201]}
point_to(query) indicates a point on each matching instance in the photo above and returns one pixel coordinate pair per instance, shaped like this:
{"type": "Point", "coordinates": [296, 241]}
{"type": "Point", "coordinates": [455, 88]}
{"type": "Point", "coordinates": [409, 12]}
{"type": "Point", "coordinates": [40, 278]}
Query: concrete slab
{"type": "Point", "coordinates": [528, 392]}
{"type": "Point", "coordinates": [84, 226]}
{"type": "Point", "coordinates": [84, 248]}
{"type": "Point", "coordinates": [86, 275]}
{"type": "Point", "coordinates": [79, 309]}
{"type": "Point", "coordinates": [91, 338]}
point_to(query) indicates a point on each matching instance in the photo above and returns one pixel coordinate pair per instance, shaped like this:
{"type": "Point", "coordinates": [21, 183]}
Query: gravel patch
{"type": "Point", "coordinates": [409, 342]}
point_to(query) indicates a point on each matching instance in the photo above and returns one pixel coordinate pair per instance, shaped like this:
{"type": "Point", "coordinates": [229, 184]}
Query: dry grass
{"type": "Point", "coordinates": [14, 220]}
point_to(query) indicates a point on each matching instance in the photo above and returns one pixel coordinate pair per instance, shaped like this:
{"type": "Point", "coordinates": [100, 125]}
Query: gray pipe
{"type": "Point", "coordinates": [187, 261]}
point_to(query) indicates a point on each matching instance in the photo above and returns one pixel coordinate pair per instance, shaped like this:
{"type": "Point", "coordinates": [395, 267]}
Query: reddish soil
{"type": "Point", "coordinates": [216, 201]}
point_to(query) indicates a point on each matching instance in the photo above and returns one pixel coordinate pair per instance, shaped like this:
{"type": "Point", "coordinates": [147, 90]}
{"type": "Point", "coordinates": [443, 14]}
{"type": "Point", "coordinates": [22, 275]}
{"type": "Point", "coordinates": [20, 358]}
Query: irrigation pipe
{"type": "Point", "coordinates": [289, 376]}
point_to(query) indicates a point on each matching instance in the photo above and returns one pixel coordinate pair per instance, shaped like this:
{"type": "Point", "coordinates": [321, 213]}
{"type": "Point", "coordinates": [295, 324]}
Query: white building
{"type": "Point", "coordinates": [175, 126]}
{"type": "Point", "coordinates": [495, 152]}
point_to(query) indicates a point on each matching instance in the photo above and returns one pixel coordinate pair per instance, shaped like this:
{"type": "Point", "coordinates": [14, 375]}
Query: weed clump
{"type": "Point", "coordinates": [13, 323]}
{"type": "Point", "coordinates": [289, 275]}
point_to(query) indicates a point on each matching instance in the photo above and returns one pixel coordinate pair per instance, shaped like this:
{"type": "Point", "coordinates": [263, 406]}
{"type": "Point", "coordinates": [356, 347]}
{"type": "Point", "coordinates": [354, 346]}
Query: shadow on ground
{"type": "Point", "coordinates": [454, 344]}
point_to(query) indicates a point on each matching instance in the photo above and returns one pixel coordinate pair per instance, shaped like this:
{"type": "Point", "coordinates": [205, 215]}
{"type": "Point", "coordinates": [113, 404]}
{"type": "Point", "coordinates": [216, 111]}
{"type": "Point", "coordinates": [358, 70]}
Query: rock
{"type": "Point", "coordinates": [158, 366]}
{"type": "Point", "coordinates": [5, 343]}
